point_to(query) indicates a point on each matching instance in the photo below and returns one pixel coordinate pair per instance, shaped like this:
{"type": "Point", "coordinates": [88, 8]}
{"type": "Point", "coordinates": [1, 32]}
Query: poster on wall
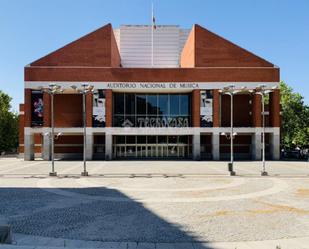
{"type": "Point", "coordinates": [98, 109]}
{"type": "Point", "coordinates": [206, 110]}
{"type": "Point", "coordinates": [37, 108]}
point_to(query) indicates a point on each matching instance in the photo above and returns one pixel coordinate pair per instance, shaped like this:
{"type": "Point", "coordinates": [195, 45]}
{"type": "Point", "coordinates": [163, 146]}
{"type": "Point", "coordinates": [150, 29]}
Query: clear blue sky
{"type": "Point", "coordinates": [277, 30]}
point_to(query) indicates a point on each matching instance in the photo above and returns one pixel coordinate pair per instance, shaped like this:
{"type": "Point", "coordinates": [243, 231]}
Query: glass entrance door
{"type": "Point", "coordinates": [152, 147]}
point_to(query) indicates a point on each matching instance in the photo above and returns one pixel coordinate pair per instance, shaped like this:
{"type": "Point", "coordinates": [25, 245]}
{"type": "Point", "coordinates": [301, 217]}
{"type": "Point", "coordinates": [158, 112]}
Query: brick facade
{"type": "Point", "coordinates": [206, 57]}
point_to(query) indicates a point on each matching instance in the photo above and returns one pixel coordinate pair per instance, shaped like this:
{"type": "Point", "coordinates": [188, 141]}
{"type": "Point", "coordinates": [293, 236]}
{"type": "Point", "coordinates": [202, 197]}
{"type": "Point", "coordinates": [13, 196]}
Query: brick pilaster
{"type": "Point", "coordinates": [256, 110]}
{"type": "Point", "coordinates": [46, 110]}
{"type": "Point", "coordinates": [216, 108]}
{"type": "Point", "coordinates": [108, 108]}
{"type": "Point", "coordinates": [196, 98]}
{"type": "Point", "coordinates": [274, 108]}
{"type": "Point", "coordinates": [27, 107]}
{"type": "Point", "coordinates": [89, 97]}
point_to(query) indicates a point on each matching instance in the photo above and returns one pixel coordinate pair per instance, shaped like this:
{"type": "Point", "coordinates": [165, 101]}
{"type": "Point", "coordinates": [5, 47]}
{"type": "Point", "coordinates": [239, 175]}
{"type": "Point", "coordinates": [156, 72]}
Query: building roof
{"type": "Point", "coordinates": [131, 46]}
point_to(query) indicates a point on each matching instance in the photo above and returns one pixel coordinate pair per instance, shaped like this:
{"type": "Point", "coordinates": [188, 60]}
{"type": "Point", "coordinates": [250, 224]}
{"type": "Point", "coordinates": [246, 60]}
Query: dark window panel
{"type": "Point", "coordinates": [141, 104]}
{"type": "Point", "coordinates": [174, 104]}
{"type": "Point", "coordinates": [152, 103]}
{"type": "Point", "coordinates": [118, 103]}
{"type": "Point", "coordinates": [162, 139]}
{"type": "Point", "coordinates": [131, 140]}
{"type": "Point", "coordinates": [151, 139]}
{"type": "Point", "coordinates": [118, 120]}
{"type": "Point", "coordinates": [141, 139]}
{"type": "Point", "coordinates": [163, 104]}
{"type": "Point", "coordinates": [130, 103]}
{"type": "Point", "coordinates": [184, 104]}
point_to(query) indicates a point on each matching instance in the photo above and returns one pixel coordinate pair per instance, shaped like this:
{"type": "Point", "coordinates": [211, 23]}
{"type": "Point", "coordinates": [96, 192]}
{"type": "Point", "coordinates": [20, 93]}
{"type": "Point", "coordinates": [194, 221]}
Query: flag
{"type": "Point", "coordinates": [153, 22]}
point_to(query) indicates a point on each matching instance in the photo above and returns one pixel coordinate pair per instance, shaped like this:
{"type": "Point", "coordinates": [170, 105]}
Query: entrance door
{"type": "Point", "coordinates": [151, 147]}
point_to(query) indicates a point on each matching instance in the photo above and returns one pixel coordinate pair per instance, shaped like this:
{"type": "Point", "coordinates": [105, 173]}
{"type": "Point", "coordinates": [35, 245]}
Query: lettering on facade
{"type": "Point", "coordinates": [162, 122]}
{"type": "Point", "coordinates": [150, 85]}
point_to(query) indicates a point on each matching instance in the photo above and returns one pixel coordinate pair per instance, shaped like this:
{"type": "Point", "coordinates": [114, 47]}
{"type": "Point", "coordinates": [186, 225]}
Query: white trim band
{"type": "Point", "coordinates": [149, 86]}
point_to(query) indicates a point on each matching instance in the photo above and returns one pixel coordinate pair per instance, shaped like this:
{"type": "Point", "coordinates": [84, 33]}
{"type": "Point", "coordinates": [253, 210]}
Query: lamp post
{"type": "Point", "coordinates": [231, 91]}
{"type": "Point", "coordinates": [262, 91]}
{"type": "Point", "coordinates": [52, 90]}
{"type": "Point", "coordinates": [85, 89]}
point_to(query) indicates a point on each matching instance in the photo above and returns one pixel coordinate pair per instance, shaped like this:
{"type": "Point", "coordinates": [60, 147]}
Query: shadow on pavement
{"type": "Point", "coordinates": [84, 216]}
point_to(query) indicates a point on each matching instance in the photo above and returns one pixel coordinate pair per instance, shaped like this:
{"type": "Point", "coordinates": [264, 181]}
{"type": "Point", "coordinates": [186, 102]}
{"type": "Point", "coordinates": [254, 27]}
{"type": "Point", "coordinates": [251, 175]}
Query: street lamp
{"type": "Point", "coordinates": [52, 90]}
{"type": "Point", "coordinates": [86, 88]}
{"type": "Point", "coordinates": [262, 91]}
{"type": "Point", "coordinates": [231, 91]}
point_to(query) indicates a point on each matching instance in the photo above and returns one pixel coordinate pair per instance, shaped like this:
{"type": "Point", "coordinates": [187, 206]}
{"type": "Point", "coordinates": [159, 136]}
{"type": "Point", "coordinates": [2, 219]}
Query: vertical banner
{"type": "Point", "coordinates": [206, 110]}
{"type": "Point", "coordinates": [98, 109]}
{"type": "Point", "coordinates": [37, 108]}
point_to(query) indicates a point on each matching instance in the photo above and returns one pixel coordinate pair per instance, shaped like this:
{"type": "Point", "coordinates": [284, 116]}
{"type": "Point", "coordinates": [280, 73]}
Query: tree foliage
{"type": "Point", "coordinates": [295, 118]}
{"type": "Point", "coordinates": [8, 125]}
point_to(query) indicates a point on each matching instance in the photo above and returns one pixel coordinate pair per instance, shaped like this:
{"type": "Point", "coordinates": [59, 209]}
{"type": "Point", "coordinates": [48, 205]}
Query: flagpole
{"type": "Point", "coordinates": [152, 27]}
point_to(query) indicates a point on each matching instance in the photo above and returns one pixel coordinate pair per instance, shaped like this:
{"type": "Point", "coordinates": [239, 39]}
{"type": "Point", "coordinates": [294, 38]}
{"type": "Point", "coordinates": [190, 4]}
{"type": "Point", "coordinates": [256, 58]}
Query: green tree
{"type": "Point", "coordinates": [295, 118]}
{"type": "Point", "coordinates": [8, 125]}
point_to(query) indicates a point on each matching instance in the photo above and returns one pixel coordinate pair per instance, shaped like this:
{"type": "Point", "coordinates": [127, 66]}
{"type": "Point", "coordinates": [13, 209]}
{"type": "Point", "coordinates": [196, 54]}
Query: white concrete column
{"type": "Point", "coordinates": [28, 147]}
{"type": "Point", "coordinates": [196, 146]}
{"type": "Point", "coordinates": [215, 143]}
{"type": "Point", "coordinates": [275, 146]}
{"type": "Point", "coordinates": [256, 146]}
{"type": "Point", "coordinates": [89, 144]}
{"type": "Point", "coordinates": [46, 147]}
{"type": "Point", "coordinates": [108, 146]}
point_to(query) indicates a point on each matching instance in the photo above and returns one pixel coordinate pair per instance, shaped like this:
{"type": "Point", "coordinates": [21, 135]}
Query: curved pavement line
{"type": "Point", "coordinates": [278, 186]}
{"type": "Point", "coordinates": [235, 183]}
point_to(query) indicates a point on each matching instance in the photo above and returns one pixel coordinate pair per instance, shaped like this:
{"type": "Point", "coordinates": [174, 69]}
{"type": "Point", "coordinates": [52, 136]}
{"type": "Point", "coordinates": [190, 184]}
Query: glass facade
{"type": "Point", "coordinates": [151, 110]}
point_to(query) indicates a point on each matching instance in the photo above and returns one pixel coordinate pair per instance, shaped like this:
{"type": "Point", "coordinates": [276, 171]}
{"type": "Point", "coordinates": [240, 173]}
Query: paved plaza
{"type": "Point", "coordinates": [155, 204]}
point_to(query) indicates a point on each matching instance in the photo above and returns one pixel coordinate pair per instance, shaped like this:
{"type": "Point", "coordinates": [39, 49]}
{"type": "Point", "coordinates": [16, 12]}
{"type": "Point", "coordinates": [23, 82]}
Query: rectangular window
{"type": "Point", "coordinates": [141, 104]}
{"type": "Point", "coordinates": [184, 104]}
{"type": "Point", "coordinates": [174, 104]}
{"type": "Point", "coordinates": [118, 103]}
{"type": "Point", "coordinates": [152, 104]}
{"type": "Point", "coordinates": [129, 104]}
{"type": "Point", "coordinates": [163, 105]}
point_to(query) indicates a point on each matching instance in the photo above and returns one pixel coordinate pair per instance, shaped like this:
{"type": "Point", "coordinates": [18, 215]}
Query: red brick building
{"type": "Point", "coordinates": [155, 97]}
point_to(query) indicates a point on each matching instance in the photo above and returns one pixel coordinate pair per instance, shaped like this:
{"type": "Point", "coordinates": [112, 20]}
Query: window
{"type": "Point", "coordinates": [151, 110]}
{"type": "Point", "coordinates": [152, 104]}
{"type": "Point", "coordinates": [163, 104]}
{"type": "Point", "coordinates": [141, 104]}
{"type": "Point", "coordinates": [174, 104]}
{"type": "Point", "coordinates": [129, 104]}
{"type": "Point", "coordinates": [184, 104]}
{"type": "Point", "coordinates": [119, 103]}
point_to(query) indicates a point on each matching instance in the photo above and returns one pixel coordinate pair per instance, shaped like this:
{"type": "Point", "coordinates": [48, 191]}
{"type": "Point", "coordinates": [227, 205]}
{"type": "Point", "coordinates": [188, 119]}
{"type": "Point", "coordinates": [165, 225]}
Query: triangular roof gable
{"type": "Point", "coordinates": [211, 50]}
{"type": "Point", "coordinates": [97, 48]}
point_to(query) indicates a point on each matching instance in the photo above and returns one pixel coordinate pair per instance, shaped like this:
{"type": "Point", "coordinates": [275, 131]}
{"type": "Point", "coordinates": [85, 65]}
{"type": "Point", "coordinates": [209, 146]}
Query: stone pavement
{"type": "Point", "coordinates": [174, 204]}
{"type": "Point", "coordinates": [36, 242]}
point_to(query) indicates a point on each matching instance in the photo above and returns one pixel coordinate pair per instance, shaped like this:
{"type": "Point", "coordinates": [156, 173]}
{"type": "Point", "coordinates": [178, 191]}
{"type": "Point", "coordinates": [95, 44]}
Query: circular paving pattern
{"type": "Point", "coordinates": [161, 209]}
{"type": "Point", "coordinates": [163, 190]}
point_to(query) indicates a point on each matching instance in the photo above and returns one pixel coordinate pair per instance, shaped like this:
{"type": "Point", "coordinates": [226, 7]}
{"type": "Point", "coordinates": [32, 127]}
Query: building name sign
{"type": "Point", "coordinates": [152, 85]}
{"type": "Point", "coordinates": [149, 85]}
